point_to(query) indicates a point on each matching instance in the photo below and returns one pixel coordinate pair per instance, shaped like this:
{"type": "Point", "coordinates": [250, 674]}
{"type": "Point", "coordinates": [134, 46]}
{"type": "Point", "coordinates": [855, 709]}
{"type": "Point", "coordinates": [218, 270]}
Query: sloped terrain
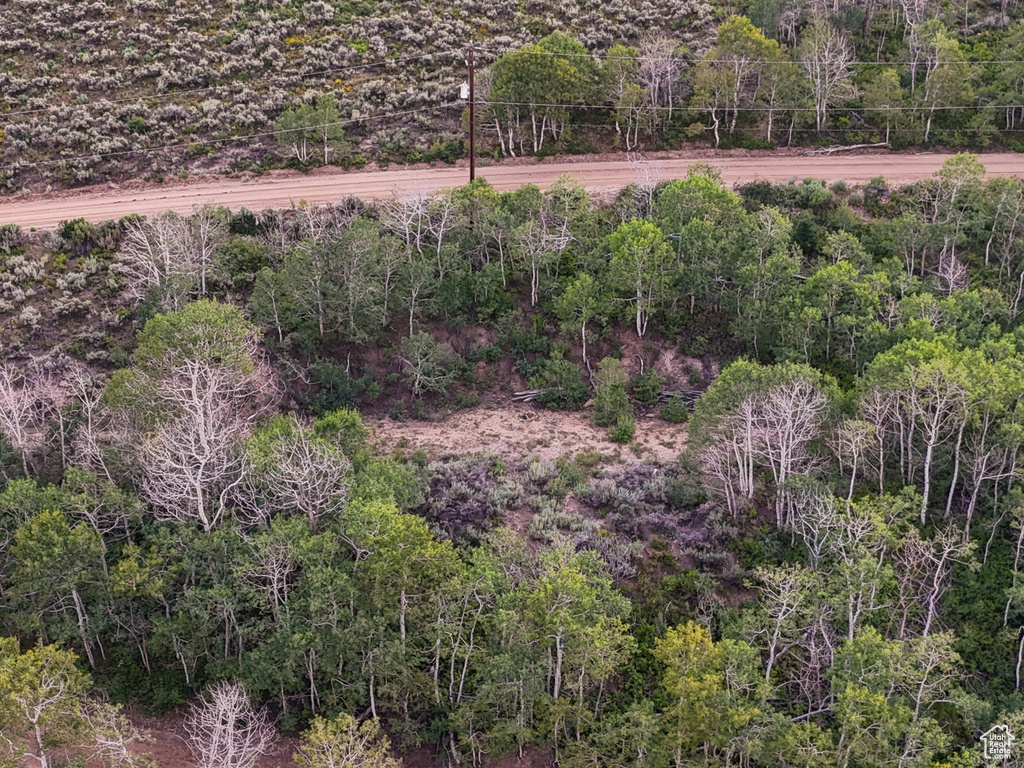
{"type": "Point", "coordinates": [110, 90]}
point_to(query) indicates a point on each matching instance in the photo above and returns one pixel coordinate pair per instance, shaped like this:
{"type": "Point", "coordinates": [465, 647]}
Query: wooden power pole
{"type": "Point", "coordinates": [472, 121]}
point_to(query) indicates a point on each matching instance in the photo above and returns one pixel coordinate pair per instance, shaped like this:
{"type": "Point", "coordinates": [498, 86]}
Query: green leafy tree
{"type": "Point", "coordinates": [713, 688]}
{"type": "Point", "coordinates": [730, 77]}
{"type": "Point", "coordinates": [43, 698]}
{"type": "Point", "coordinates": [579, 305]}
{"type": "Point", "coordinates": [883, 99]}
{"type": "Point", "coordinates": [532, 89]}
{"type": "Point", "coordinates": [611, 400]}
{"type": "Point", "coordinates": [639, 269]}
{"type": "Point", "coordinates": [834, 314]}
{"type": "Point", "coordinates": [301, 128]}
{"type": "Point", "coordinates": [560, 379]}
{"type": "Point", "coordinates": [56, 579]}
{"type": "Point", "coordinates": [295, 131]}
{"type": "Point", "coordinates": [344, 743]}
{"type": "Point", "coordinates": [205, 331]}
{"type": "Point", "coordinates": [363, 268]}
{"type": "Point", "coordinates": [949, 77]}
{"type": "Point", "coordinates": [710, 231]}
{"type": "Point", "coordinates": [761, 284]}
{"type": "Point", "coordinates": [577, 616]}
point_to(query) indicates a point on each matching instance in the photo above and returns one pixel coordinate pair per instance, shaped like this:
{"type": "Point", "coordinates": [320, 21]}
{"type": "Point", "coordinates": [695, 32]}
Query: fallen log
{"type": "Point", "coordinates": [688, 396]}
{"type": "Point", "coordinates": [528, 395]}
{"type": "Point", "coordinates": [848, 147]}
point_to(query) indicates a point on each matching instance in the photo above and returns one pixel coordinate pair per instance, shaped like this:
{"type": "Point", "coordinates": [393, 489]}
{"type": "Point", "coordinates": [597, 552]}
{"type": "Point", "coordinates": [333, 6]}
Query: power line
{"type": "Point", "coordinates": [761, 62]}
{"type": "Point", "coordinates": [447, 52]}
{"type": "Point", "coordinates": [404, 113]}
{"type": "Point", "coordinates": [745, 132]}
{"type": "Point", "coordinates": [779, 110]}
{"type": "Point", "coordinates": [230, 139]}
{"type": "Point", "coordinates": [233, 84]}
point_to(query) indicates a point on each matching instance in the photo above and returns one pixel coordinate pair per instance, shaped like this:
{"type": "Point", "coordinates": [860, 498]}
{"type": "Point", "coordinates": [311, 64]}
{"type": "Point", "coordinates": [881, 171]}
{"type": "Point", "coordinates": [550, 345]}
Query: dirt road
{"type": "Point", "coordinates": [283, 188]}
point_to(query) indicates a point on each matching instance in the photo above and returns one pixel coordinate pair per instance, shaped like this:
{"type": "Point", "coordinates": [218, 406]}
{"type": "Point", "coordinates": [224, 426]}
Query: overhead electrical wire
{"type": "Point", "coordinates": [779, 110]}
{"type": "Point", "coordinates": [226, 140]}
{"type": "Point", "coordinates": [449, 52]}
{"type": "Point", "coordinates": [766, 62]}
{"type": "Point", "coordinates": [484, 102]}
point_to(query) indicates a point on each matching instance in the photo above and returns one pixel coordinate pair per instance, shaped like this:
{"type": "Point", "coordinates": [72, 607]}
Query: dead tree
{"type": "Point", "coordinates": [224, 731]}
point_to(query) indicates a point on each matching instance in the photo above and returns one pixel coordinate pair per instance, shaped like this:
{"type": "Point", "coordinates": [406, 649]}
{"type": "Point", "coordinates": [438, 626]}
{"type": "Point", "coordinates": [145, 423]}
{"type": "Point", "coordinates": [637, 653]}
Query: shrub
{"type": "Point", "coordinates": [75, 236]}
{"type": "Point", "coordinates": [561, 380]}
{"type": "Point", "coordinates": [11, 237]}
{"type": "Point", "coordinates": [646, 386]}
{"type": "Point", "coordinates": [623, 430]}
{"type": "Point", "coordinates": [429, 365]}
{"type": "Point", "coordinates": [243, 259]}
{"type": "Point", "coordinates": [338, 389]}
{"type": "Point", "coordinates": [397, 411]}
{"type": "Point", "coordinates": [611, 401]}
{"type": "Point", "coordinates": [675, 410]}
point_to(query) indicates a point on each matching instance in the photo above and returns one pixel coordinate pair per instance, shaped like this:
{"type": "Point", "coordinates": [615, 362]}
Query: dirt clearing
{"type": "Point", "coordinates": [519, 432]}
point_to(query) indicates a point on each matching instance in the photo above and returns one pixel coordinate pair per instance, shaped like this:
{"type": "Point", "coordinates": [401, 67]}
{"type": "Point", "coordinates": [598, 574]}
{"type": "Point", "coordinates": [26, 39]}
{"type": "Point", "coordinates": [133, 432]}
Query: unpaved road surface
{"type": "Point", "coordinates": [281, 189]}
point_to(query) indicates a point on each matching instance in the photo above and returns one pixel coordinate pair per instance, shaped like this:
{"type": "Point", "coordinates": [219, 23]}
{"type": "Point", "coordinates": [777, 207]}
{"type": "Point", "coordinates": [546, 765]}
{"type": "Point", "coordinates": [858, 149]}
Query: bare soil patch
{"type": "Point", "coordinates": [168, 747]}
{"type": "Point", "coordinates": [520, 431]}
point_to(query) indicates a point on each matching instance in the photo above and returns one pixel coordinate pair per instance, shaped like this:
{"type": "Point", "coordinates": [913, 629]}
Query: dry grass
{"type": "Point", "coordinates": [515, 432]}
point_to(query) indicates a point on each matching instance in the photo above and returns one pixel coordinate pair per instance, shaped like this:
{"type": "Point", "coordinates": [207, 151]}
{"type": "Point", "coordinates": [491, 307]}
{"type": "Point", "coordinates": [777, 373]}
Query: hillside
{"type": "Point", "coordinates": [196, 85]}
{"type": "Point", "coordinates": [757, 501]}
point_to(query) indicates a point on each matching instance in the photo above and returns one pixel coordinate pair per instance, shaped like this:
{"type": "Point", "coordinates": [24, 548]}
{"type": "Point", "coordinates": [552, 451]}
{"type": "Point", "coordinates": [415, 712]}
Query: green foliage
{"type": "Point", "coordinates": [243, 259]}
{"type": "Point", "coordinates": [611, 401]}
{"type": "Point", "coordinates": [540, 80]}
{"type": "Point", "coordinates": [641, 257]}
{"type": "Point", "coordinates": [205, 331]}
{"type": "Point", "coordinates": [561, 381]}
{"type": "Point", "coordinates": [675, 410]}
{"type": "Point", "coordinates": [890, 358]}
{"type": "Point", "coordinates": [305, 129]}
{"type": "Point", "coordinates": [344, 428]}
{"type": "Point", "coordinates": [713, 687]}
{"type": "Point", "coordinates": [646, 387]}
{"type": "Point", "coordinates": [41, 693]}
{"type": "Point", "coordinates": [623, 429]}
{"type": "Point", "coordinates": [342, 741]}
{"type": "Point", "coordinates": [429, 365]}
{"type": "Point", "coordinates": [340, 390]}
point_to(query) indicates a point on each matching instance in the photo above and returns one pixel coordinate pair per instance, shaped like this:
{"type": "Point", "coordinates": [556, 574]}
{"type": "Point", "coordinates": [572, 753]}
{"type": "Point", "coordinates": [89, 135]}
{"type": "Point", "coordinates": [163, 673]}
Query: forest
{"type": "Point", "coordinates": [246, 86]}
{"type": "Point", "coordinates": [194, 516]}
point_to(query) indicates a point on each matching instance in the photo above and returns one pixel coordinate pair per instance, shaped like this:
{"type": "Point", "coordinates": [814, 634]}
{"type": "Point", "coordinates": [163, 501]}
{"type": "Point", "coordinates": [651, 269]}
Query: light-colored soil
{"type": "Point", "coordinates": [517, 432]}
{"type": "Point", "coordinates": [167, 747]}
{"type": "Point", "coordinates": [600, 174]}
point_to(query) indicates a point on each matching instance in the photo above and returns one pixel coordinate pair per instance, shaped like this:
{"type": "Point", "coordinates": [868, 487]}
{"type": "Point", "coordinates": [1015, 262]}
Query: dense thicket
{"type": "Point", "coordinates": [239, 85]}
{"type": "Point", "coordinates": [827, 576]}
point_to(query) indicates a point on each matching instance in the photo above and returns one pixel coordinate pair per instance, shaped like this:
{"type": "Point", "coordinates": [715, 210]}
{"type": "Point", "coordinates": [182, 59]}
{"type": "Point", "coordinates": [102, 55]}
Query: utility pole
{"type": "Point", "coordinates": [472, 122]}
